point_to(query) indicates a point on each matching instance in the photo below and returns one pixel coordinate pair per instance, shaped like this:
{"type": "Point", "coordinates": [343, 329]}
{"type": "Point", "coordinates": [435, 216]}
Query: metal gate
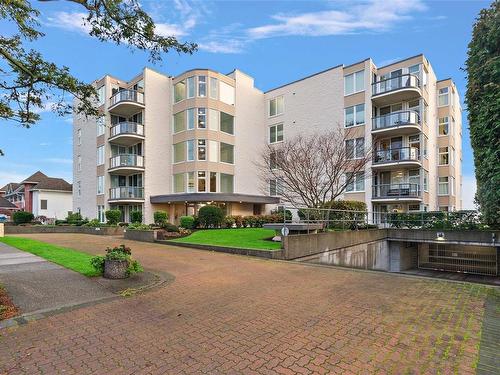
{"type": "Point", "coordinates": [478, 260]}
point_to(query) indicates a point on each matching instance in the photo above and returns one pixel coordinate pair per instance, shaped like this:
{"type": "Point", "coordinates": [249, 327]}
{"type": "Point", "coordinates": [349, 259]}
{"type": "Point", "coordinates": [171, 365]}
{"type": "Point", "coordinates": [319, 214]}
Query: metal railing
{"type": "Point", "coordinates": [127, 128]}
{"type": "Point", "coordinates": [395, 83]}
{"type": "Point", "coordinates": [394, 119]}
{"type": "Point", "coordinates": [127, 96]}
{"type": "Point", "coordinates": [126, 192]}
{"type": "Point", "coordinates": [396, 155]}
{"type": "Point", "coordinates": [126, 160]}
{"type": "Point", "coordinates": [404, 190]}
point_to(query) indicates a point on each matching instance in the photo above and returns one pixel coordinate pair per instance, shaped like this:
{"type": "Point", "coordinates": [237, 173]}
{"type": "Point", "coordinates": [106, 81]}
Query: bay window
{"type": "Point", "coordinates": [179, 122]}
{"type": "Point", "coordinates": [226, 153]}
{"type": "Point", "coordinates": [190, 150]}
{"type": "Point", "coordinates": [179, 183]}
{"type": "Point", "coordinates": [179, 91]}
{"type": "Point", "coordinates": [213, 182]}
{"type": "Point", "coordinates": [179, 152]}
{"type": "Point", "coordinates": [226, 123]}
{"type": "Point", "coordinates": [202, 118]}
{"type": "Point", "coordinates": [202, 86]}
{"type": "Point", "coordinates": [202, 149]}
{"type": "Point", "coordinates": [190, 87]}
{"type": "Point", "coordinates": [444, 125]}
{"type": "Point", "coordinates": [202, 181]}
{"type": "Point", "coordinates": [443, 188]}
{"type": "Point", "coordinates": [213, 87]}
{"type": "Point", "coordinates": [443, 97]}
{"type": "Point", "coordinates": [443, 156]}
{"type": "Point", "coordinates": [226, 183]}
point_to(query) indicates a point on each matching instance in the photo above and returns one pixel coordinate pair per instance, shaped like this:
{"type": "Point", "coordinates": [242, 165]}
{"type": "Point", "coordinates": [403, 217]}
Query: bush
{"type": "Point", "coordinates": [113, 216]}
{"type": "Point", "coordinates": [139, 226]}
{"type": "Point", "coordinates": [187, 222]}
{"type": "Point", "coordinates": [210, 216]}
{"type": "Point", "coordinates": [229, 221]}
{"type": "Point", "coordinates": [279, 211]}
{"type": "Point", "coordinates": [160, 218]}
{"type": "Point", "coordinates": [170, 227]}
{"type": "Point", "coordinates": [74, 218]}
{"type": "Point", "coordinates": [94, 223]}
{"type": "Point", "coordinates": [121, 252]}
{"type": "Point", "coordinates": [22, 217]}
{"type": "Point", "coordinates": [136, 216]}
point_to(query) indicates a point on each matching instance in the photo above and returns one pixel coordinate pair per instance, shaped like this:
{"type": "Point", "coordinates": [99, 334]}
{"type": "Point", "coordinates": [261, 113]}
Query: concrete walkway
{"type": "Point", "coordinates": [36, 285]}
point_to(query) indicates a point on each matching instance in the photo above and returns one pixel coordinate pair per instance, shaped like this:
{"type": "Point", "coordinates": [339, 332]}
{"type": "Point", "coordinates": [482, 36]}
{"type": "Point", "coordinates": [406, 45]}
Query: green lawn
{"type": "Point", "coordinates": [69, 258]}
{"type": "Point", "coordinates": [245, 238]}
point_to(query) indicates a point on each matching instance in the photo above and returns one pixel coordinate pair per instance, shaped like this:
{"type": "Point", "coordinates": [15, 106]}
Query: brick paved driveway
{"type": "Point", "coordinates": [232, 314]}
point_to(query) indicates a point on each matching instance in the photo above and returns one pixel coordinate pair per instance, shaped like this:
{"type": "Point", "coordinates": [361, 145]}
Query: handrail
{"type": "Point", "coordinates": [400, 118]}
{"type": "Point", "coordinates": [124, 192]}
{"type": "Point", "coordinates": [128, 96]}
{"type": "Point", "coordinates": [396, 190]}
{"type": "Point", "coordinates": [126, 160]}
{"type": "Point", "coordinates": [396, 154]}
{"type": "Point", "coordinates": [395, 83]}
{"type": "Point", "coordinates": [127, 127]}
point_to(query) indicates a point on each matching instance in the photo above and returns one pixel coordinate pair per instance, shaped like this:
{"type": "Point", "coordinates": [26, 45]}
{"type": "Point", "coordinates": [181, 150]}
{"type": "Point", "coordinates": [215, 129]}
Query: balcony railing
{"type": "Point", "coordinates": [395, 83]}
{"type": "Point", "coordinates": [126, 160]}
{"type": "Point", "coordinates": [126, 192]}
{"type": "Point", "coordinates": [127, 96]}
{"type": "Point", "coordinates": [396, 191]}
{"type": "Point", "coordinates": [395, 119]}
{"type": "Point", "coordinates": [396, 155]}
{"type": "Point", "coordinates": [127, 128]}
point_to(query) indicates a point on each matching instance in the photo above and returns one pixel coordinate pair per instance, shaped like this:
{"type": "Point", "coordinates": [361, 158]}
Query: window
{"type": "Point", "coordinates": [190, 150]}
{"type": "Point", "coordinates": [213, 87]}
{"type": "Point", "coordinates": [443, 97]}
{"type": "Point", "coordinates": [443, 208]}
{"type": "Point", "coordinates": [452, 185]}
{"type": "Point", "coordinates": [179, 183]}
{"type": "Point", "coordinates": [190, 87]}
{"type": "Point", "coordinates": [414, 178]}
{"type": "Point", "coordinates": [226, 183]}
{"type": "Point", "coordinates": [179, 152]}
{"type": "Point", "coordinates": [226, 93]}
{"type": "Point", "coordinates": [414, 69]}
{"type": "Point", "coordinates": [190, 118]}
{"type": "Point", "coordinates": [79, 188]}
{"type": "Point", "coordinates": [202, 181]}
{"type": "Point", "coordinates": [443, 188]}
{"type": "Point", "coordinates": [213, 182]}
{"type": "Point", "coordinates": [190, 182]}
{"type": "Point", "coordinates": [100, 214]}
{"type": "Point", "coordinates": [275, 159]}
{"type": "Point", "coordinates": [226, 153]}
{"type": "Point", "coordinates": [100, 185]}
{"type": "Point", "coordinates": [179, 122]}
{"type": "Point", "coordinates": [426, 181]}
{"type": "Point", "coordinates": [179, 91]}
{"type": "Point", "coordinates": [355, 148]}
{"type": "Point", "coordinates": [276, 133]}
{"type": "Point", "coordinates": [202, 149]}
{"type": "Point", "coordinates": [444, 125]}
{"type": "Point", "coordinates": [275, 187]}
{"type": "Point", "coordinates": [354, 82]}
{"type": "Point", "coordinates": [354, 115]}
{"type": "Point", "coordinates": [226, 123]}
{"type": "Point", "coordinates": [101, 95]}
{"type": "Point", "coordinates": [202, 86]}
{"type": "Point", "coordinates": [276, 106]}
{"type": "Point", "coordinates": [43, 204]}
{"type": "Point", "coordinates": [101, 127]}
{"type": "Point", "coordinates": [213, 154]}
{"type": "Point", "coordinates": [425, 146]}
{"type": "Point", "coordinates": [79, 136]}
{"type": "Point", "coordinates": [443, 156]}
{"type": "Point", "coordinates": [357, 182]}
{"type": "Point", "coordinates": [202, 118]}
{"type": "Point", "coordinates": [79, 163]}
{"type": "Point", "coordinates": [413, 207]}
{"type": "Point", "coordinates": [100, 155]}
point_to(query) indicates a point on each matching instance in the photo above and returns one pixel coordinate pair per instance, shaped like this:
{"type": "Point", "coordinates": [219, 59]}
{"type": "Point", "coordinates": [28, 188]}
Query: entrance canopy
{"type": "Point", "coordinates": [213, 197]}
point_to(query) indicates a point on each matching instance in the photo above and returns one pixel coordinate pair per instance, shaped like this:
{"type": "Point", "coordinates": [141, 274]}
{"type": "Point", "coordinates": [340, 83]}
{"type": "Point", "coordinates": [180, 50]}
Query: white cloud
{"type": "Point", "coordinates": [223, 46]}
{"type": "Point", "coordinates": [58, 160]}
{"type": "Point", "coordinates": [71, 21]}
{"type": "Point", "coordinates": [6, 177]}
{"type": "Point", "coordinates": [375, 16]}
{"type": "Point", "coordinates": [468, 192]}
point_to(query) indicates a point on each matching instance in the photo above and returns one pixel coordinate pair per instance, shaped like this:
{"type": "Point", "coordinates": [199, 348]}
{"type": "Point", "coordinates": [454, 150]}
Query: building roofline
{"type": "Point", "coordinates": [445, 79]}
{"type": "Point", "coordinates": [399, 61]}
{"type": "Point", "coordinates": [304, 78]}
{"type": "Point", "coordinates": [358, 62]}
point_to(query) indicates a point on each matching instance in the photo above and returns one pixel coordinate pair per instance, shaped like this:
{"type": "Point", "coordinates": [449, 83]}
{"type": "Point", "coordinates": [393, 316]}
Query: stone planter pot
{"type": "Point", "coordinates": [115, 269]}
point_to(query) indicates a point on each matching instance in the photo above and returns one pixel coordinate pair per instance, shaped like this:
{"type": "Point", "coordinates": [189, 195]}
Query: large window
{"type": "Point", "coordinates": [214, 87]}
{"type": "Point", "coordinates": [213, 182]}
{"type": "Point", "coordinates": [179, 183]}
{"type": "Point", "coordinates": [355, 148]}
{"type": "Point", "coordinates": [190, 118]}
{"type": "Point", "coordinates": [275, 187]}
{"type": "Point", "coordinates": [190, 182]}
{"type": "Point", "coordinates": [100, 214]}
{"type": "Point", "coordinates": [444, 157]}
{"type": "Point", "coordinates": [357, 182]}
{"type": "Point", "coordinates": [443, 188]}
{"type": "Point", "coordinates": [100, 185]}
{"type": "Point", "coordinates": [276, 133]}
{"type": "Point", "coordinates": [179, 121]}
{"type": "Point", "coordinates": [443, 97]}
{"type": "Point", "coordinates": [202, 181]}
{"type": "Point", "coordinates": [202, 149]}
{"type": "Point", "coordinates": [179, 152]}
{"type": "Point", "coordinates": [276, 106]}
{"type": "Point", "coordinates": [354, 115]}
{"type": "Point", "coordinates": [202, 86]}
{"type": "Point", "coordinates": [226, 153]}
{"type": "Point", "coordinates": [202, 118]}
{"type": "Point", "coordinates": [190, 87]}
{"type": "Point", "coordinates": [101, 127]}
{"type": "Point", "coordinates": [226, 123]}
{"type": "Point", "coordinates": [226, 183]}
{"type": "Point", "coordinates": [101, 95]}
{"type": "Point", "coordinates": [190, 150]}
{"type": "Point", "coordinates": [179, 91]}
{"type": "Point", "coordinates": [354, 82]}
{"type": "Point", "coordinates": [100, 155]}
{"type": "Point", "coordinates": [444, 125]}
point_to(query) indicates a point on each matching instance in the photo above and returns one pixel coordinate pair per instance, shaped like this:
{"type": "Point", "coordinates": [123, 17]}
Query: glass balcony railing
{"type": "Point", "coordinates": [404, 190]}
{"type": "Point", "coordinates": [126, 192]}
{"type": "Point", "coordinates": [127, 96]}
{"type": "Point", "coordinates": [395, 83]}
{"type": "Point", "coordinates": [127, 128]}
{"type": "Point", "coordinates": [396, 155]}
{"type": "Point", "coordinates": [395, 119]}
{"type": "Point", "coordinates": [126, 160]}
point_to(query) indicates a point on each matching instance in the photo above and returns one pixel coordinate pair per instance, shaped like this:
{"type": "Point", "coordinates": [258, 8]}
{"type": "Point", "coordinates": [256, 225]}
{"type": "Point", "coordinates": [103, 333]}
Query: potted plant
{"type": "Point", "coordinates": [117, 263]}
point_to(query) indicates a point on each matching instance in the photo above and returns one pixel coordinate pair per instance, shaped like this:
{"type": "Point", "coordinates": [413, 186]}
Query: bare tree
{"type": "Point", "coordinates": [313, 169]}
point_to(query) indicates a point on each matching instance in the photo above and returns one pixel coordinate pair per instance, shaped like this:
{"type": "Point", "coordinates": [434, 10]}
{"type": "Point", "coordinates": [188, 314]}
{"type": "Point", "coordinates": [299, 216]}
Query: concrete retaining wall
{"type": "Point", "coordinates": [466, 237]}
{"type": "Point", "coordinates": [140, 235]}
{"type": "Point", "coordinates": [32, 229]}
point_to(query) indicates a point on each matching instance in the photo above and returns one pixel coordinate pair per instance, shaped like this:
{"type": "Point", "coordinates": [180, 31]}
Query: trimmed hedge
{"type": "Point", "coordinates": [187, 222]}
{"type": "Point", "coordinates": [113, 216]}
{"type": "Point", "coordinates": [210, 216]}
{"type": "Point", "coordinates": [160, 218]}
{"type": "Point", "coordinates": [22, 217]}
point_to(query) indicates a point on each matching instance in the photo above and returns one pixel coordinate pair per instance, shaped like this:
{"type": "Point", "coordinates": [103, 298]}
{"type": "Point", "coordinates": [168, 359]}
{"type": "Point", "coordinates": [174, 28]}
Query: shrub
{"type": "Point", "coordinates": [229, 221]}
{"type": "Point", "coordinates": [136, 216]}
{"type": "Point", "coordinates": [238, 221]}
{"type": "Point", "coordinates": [113, 216]}
{"type": "Point", "coordinates": [22, 217]}
{"type": "Point", "coordinates": [279, 211]}
{"type": "Point", "coordinates": [139, 226]}
{"type": "Point", "coordinates": [94, 223]}
{"type": "Point", "coordinates": [121, 252]}
{"type": "Point", "coordinates": [187, 222]}
{"type": "Point", "coordinates": [170, 227]}
{"type": "Point", "coordinates": [160, 218]}
{"type": "Point", "coordinates": [74, 218]}
{"type": "Point", "coordinates": [210, 216]}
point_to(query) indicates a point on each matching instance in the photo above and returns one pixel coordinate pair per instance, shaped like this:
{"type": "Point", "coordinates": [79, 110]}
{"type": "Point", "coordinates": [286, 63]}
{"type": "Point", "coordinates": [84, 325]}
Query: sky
{"type": "Point", "coordinates": [274, 42]}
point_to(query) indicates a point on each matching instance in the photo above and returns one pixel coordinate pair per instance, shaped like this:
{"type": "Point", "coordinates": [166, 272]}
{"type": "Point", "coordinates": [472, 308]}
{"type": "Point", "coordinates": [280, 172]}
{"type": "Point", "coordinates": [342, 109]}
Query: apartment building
{"type": "Point", "coordinates": [177, 143]}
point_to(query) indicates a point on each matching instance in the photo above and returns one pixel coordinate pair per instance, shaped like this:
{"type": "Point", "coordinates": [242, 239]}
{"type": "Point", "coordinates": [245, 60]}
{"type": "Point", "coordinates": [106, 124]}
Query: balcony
{"type": "Point", "coordinates": [126, 163]}
{"type": "Point", "coordinates": [396, 89]}
{"type": "Point", "coordinates": [401, 122]}
{"type": "Point", "coordinates": [126, 102]}
{"type": "Point", "coordinates": [126, 193]}
{"type": "Point", "coordinates": [396, 157]}
{"type": "Point", "coordinates": [126, 133]}
{"type": "Point", "coordinates": [396, 192]}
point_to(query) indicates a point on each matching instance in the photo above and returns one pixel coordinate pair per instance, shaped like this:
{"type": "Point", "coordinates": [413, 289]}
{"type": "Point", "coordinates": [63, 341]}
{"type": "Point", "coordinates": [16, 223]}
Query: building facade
{"type": "Point", "coordinates": [177, 143]}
